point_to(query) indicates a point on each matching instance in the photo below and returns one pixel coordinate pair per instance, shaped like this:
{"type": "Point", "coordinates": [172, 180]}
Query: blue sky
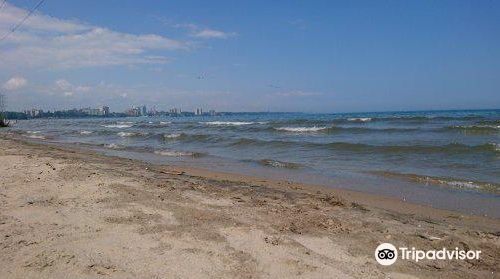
{"type": "Point", "coordinates": [311, 56]}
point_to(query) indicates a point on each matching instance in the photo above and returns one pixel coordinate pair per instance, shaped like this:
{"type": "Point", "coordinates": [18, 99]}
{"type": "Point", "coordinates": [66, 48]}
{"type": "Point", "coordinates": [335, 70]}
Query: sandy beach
{"type": "Point", "coordinates": [73, 213]}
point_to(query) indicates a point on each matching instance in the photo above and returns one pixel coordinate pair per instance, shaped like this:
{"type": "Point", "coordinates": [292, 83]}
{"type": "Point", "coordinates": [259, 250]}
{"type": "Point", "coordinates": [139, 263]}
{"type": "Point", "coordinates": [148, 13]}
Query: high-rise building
{"type": "Point", "coordinates": [175, 111]}
{"type": "Point", "coordinates": [33, 112]}
{"type": "Point", "coordinates": [144, 111]}
{"type": "Point", "coordinates": [134, 111]}
{"type": "Point", "coordinates": [104, 110]}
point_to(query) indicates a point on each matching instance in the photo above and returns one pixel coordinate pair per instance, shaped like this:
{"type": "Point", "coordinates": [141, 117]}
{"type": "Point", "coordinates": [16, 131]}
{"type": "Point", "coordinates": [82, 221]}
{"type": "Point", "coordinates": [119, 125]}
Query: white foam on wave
{"type": "Point", "coordinates": [463, 184]}
{"type": "Point", "coordinates": [301, 129]}
{"type": "Point", "coordinates": [119, 126]}
{"type": "Point", "coordinates": [165, 122]}
{"type": "Point", "coordinates": [230, 123]}
{"type": "Point", "coordinates": [171, 136]}
{"type": "Point", "coordinates": [85, 132]}
{"type": "Point", "coordinates": [113, 146]}
{"type": "Point", "coordinates": [496, 145]}
{"type": "Point", "coordinates": [126, 134]}
{"type": "Point", "coordinates": [125, 122]}
{"type": "Point", "coordinates": [360, 119]}
{"type": "Point", "coordinates": [131, 134]}
{"type": "Point", "coordinates": [460, 184]}
{"type": "Point", "coordinates": [35, 136]}
{"type": "Point", "coordinates": [278, 164]}
{"type": "Point", "coordinates": [173, 153]}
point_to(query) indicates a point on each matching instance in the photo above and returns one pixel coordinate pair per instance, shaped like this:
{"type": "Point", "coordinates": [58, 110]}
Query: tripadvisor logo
{"type": "Point", "coordinates": [387, 254]}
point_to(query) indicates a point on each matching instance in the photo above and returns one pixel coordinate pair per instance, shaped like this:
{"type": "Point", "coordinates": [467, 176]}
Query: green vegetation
{"type": "Point", "coordinates": [11, 115]}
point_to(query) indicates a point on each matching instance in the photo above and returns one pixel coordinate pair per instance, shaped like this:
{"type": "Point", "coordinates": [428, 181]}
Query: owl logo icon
{"type": "Point", "coordinates": [386, 254]}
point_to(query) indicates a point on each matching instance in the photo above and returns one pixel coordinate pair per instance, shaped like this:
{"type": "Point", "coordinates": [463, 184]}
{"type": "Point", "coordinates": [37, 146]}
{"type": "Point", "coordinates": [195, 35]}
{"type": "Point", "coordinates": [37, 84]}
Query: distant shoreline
{"type": "Point", "coordinates": [228, 113]}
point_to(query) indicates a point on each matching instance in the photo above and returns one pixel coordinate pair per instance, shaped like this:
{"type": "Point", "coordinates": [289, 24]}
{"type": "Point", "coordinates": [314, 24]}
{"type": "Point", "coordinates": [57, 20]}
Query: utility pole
{"type": "Point", "coordinates": [2, 109]}
{"type": "Point", "coordinates": [2, 103]}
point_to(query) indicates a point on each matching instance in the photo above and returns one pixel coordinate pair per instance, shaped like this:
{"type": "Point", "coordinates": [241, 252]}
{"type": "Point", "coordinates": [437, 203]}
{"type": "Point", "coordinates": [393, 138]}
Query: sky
{"type": "Point", "coordinates": [301, 56]}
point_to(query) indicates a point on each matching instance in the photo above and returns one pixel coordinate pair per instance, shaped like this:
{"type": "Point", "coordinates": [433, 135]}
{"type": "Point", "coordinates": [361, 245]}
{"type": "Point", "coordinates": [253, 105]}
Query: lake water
{"type": "Point", "coordinates": [445, 159]}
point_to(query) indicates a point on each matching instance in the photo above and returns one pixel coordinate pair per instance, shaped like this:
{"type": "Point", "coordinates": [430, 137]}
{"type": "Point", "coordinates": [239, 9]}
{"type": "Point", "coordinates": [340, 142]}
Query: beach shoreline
{"type": "Point", "coordinates": [225, 223]}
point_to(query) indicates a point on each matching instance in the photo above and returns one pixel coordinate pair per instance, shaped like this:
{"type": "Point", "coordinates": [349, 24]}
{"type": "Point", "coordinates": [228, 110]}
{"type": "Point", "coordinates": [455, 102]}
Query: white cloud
{"type": "Point", "coordinates": [82, 88]}
{"type": "Point", "coordinates": [68, 89]}
{"type": "Point", "coordinates": [48, 42]}
{"type": "Point", "coordinates": [63, 84]}
{"type": "Point", "coordinates": [297, 94]}
{"type": "Point", "coordinates": [15, 83]}
{"type": "Point", "coordinates": [204, 33]}
{"type": "Point", "coordinates": [212, 34]}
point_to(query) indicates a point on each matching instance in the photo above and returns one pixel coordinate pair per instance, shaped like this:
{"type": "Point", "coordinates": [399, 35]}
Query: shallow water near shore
{"type": "Point", "coordinates": [445, 159]}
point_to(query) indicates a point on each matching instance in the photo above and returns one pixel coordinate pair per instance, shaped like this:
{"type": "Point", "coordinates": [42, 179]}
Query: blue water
{"type": "Point", "coordinates": [439, 158]}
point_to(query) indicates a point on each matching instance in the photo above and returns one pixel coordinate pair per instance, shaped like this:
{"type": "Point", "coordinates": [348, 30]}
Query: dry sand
{"type": "Point", "coordinates": [71, 213]}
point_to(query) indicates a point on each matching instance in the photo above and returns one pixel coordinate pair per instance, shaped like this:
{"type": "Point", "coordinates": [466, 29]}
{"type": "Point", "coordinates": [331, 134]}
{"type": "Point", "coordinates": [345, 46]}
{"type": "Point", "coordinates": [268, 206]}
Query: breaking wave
{"type": "Point", "coordinates": [475, 128]}
{"type": "Point", "coordinates": [84, 132]}
{"type": "Point", "coordinates": [360, 119]}
{"type": "Point", "coordinates": [231, 123]}
{"type": "Point", "coordinates": [302, 129]}
{"type": "Point", "coordinates": [171, 136]}
{"type": "Point", "coordinates": [450, 149]}
{"type": "Point", "coordinates": [132, 134]}
{"type": "Point", "coordinates": [278, 164]}
{"type": "Point", "coordinates": [119, 126]}
{"type": "Point", "coordinates": [175, 153]}
{"type": "Point", "coordinates": [443, 181]}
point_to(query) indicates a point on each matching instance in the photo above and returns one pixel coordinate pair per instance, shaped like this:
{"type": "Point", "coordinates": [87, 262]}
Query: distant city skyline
{"type": "Point", "coordinates": [315, 56]}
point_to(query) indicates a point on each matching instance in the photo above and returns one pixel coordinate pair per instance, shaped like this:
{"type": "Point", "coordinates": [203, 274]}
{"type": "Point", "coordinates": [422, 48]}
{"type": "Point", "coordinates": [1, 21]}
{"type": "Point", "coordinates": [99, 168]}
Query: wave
{"type": "Point", "coordinates": [278, 164]}
{"type": "Point", "coordinates": [301, 121]}
{"type": "Point", "coordinates": [35, 136]}
{"type": "Point", "coordinates": [114, 146]}
{"type": "Point", "coordinates": [360, 119]}
{"type": "Point", "coordinates": [415, 119]}
{"type": "Point", "coordinates": [231, 123]}
{"type": "Point", "coordinates": [202, 138]}
{"type": "Point", "coordinates": [174, 153]}
{"type": "Point", "coordinates": [451, 149]}
{"type": "Point", "coordinates": [427, 118]}
{"type": "Point", "coordinates": [443, 181]}
{"type": "Point", "coordinates": [475, 128]}
{"type": "Point", "coordinates": [339, 129]}
{"type": "Point", "coordinates": [302, 129]}
{"type": "Point", "coordinates": [151, 124]}
{"type": "Point", "coordinates": [119, 126]}
{"type": "Point", "coordinates": [171, 136]}
{"type": "Point", "coordinates": [132, 134]}
{"type": "Point", "coordinates": [84, 132]}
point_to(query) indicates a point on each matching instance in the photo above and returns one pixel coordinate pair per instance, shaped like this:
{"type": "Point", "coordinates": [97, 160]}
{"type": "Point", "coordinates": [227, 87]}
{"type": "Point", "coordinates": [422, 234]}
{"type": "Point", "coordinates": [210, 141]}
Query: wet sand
{"type": "Point", "coordinates": [73, 213]}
